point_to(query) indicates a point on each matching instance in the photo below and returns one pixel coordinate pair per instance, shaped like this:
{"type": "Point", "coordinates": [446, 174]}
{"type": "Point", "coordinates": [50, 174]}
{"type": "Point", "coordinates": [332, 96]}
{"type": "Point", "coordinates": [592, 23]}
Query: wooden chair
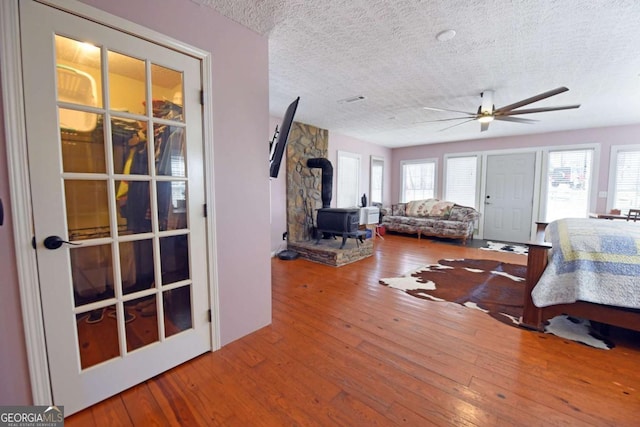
{"type": "Point", "coordinates": [633, 215]}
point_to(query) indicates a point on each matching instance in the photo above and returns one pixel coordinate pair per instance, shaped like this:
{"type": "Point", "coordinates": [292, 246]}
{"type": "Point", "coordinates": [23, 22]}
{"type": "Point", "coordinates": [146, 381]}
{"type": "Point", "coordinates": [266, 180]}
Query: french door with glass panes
{"type": "Point", "coordinates": [114, 129]}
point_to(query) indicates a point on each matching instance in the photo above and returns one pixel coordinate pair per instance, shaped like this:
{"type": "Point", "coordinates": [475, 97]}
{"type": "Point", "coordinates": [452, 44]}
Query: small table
{"type": "Point", "coordinates": [607, 216]}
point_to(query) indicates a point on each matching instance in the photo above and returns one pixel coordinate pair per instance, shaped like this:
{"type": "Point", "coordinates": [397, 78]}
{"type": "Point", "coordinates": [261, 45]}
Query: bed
{"type": "Point", "coordinates": [588, 268]}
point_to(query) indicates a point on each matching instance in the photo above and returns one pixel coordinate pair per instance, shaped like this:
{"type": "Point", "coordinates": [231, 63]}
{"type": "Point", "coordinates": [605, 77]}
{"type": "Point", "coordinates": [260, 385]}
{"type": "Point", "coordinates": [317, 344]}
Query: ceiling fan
{"type": "Point", "coordinates": [488, 113]}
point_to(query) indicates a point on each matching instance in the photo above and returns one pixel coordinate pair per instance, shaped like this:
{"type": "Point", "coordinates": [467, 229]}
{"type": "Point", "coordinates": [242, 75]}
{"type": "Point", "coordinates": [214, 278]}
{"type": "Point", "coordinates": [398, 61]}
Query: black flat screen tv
{"type": "Point", "coordinates": [276, 151]}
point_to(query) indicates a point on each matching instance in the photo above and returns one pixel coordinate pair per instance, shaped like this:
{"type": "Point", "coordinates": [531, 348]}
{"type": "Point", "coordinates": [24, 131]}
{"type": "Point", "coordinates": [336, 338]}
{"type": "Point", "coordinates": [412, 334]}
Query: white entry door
{"type": "Point", "coordinates": [509, 197]}
{"type": "Point", "coordinates": [114, 129]}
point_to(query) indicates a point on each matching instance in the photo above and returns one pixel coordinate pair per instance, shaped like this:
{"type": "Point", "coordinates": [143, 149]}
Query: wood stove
{"type": "Point", "coordinates": [338, 221]}
{"type": "Point", "coordinates": [332, 221]}
{"type": "Point", "coordinates": [342, 222]}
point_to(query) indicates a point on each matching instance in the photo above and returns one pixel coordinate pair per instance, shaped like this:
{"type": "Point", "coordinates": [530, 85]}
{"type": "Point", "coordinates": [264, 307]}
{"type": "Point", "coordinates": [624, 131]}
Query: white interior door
{"type": "Point", "coordinates": [509, 197]}
{"type": "Point", "coordinates": [114, 129]}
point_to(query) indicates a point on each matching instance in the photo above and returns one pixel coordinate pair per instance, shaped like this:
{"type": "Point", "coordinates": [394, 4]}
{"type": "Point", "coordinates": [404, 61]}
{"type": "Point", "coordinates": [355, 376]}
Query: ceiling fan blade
{"type": "Point", "coordinates": [514, 119]}
{"type": "Point", "coordinates": [536, 110]}
{"type": "Point", "coordinates": [484, 126]}
{"type": "Point", "coordinates": [458, 124]}
{"type": "Point", "coordinates": [532, 99]}
{"type": "Point", "coordinates": [446, 120]}
{"type": "Point", "coordinates": [445, 109]}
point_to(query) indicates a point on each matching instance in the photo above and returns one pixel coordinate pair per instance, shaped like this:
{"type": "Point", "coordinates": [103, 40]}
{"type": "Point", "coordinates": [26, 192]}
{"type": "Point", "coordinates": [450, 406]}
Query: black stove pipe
{"type": "Point", "coordinates": [327, 178]}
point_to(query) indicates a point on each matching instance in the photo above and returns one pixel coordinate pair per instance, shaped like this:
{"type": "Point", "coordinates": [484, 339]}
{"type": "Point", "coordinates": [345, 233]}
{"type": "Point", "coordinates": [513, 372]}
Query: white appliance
{"type": "Point", "coordinates": [369, 215]}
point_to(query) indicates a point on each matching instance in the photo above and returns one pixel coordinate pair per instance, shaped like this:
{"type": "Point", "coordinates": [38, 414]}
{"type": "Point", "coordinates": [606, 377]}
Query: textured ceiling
{"type": "Point", "coordinates": [329, 50]}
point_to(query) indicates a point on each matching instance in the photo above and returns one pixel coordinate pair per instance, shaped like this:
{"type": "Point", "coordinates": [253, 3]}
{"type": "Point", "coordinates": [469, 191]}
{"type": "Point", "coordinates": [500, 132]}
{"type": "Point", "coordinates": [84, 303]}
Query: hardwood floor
{"type": "Point", "coordinates": [345, 350]}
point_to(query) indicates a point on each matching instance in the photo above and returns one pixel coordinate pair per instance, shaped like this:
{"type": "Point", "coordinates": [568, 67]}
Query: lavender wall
{"type": "Point", "coordinates": [336, 143]}
{"type": "Point", "coordinates": [604, 137]}
{"type": "Point", "coordinates": [366, 150]}
{"type": "Point", "coordinates": [14, 387]}
{"type": "Point", "coordinates": [278, 187]}
{"type": "Point", "coordinates": [240, 117]}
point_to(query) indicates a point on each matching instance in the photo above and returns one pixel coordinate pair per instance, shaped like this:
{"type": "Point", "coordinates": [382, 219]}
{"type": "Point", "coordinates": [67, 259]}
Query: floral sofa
{"type": "Point", "coordinates": [431, 217]}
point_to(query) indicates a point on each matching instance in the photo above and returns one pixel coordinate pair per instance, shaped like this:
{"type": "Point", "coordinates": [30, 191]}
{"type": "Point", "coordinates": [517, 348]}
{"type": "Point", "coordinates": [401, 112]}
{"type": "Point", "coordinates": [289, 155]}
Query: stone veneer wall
{"type": "Point", "coordinates": [303, 183]}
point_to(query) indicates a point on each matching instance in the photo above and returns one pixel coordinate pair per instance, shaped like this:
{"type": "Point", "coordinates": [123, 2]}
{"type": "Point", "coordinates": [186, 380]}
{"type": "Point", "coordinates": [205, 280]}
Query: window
{"type": "Point", "coordinates": [625, 175]}
{"type": "Point", "coordinates": [568, 184]}
{"type": "Point", "coordinates": [461, 180]}
{"type": "Point", "coordinates": [348, 190]}
{"type": "Point", "coordinates": [418, 180]}
{"type": "Point", "coordinates": [377, 176]}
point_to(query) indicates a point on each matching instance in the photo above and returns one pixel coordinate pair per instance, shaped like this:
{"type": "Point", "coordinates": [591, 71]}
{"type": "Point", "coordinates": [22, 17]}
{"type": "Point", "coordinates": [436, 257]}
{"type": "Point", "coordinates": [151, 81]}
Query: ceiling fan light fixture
{"type": "Point", "coordinates": [485, 119]}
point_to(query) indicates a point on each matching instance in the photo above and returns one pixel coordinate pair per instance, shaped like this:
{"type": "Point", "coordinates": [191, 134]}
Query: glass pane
{"type": "Point", "coordinates": [132, 199]}
{"type": "Point", "coordinates": [169, 143]}
{"type": "Point", "coordinates": [92, 273]}
{"type": "Point", "coordinates": [141, 322]}
{"type": "Point", "coordinates": [167, 92]}
{"type": "Point", "coordinates": [172, 205]}
{"type": "Point", "coordinates": [136, 265]}
{"type": "Point", "coordinates": [79, 77]}
{"type": "Point", "coordinates": [127, 83]}
{"type": "Point", "coordinates": [82, 151]}
{"type": "Point", "coordinates": [97, 336]}
{"type": "Point", "coordinates": [418, 180]}
{"type": "Point", "coordinates": [129, 146]}
{"type": "Point", "coordinates": [174, 258]}
{"type": "Point", "coordinates": [87, 209]}
{"type": "Point", "coordinates": [177, 310]}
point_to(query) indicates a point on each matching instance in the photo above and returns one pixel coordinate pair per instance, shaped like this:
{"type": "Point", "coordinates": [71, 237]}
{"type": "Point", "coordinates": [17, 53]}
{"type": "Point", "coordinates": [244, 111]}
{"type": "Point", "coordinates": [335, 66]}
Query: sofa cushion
{"type": "Point", "coordinates": [399, 209]}
{"type": "Point", "coordinates": [429, 208]}
{"type": "Point", "coordinates": [441, 210]}
{"type": "Point", "coordinates": [420, 208]}
{"type": "Point", "coordinates": [463, 213]}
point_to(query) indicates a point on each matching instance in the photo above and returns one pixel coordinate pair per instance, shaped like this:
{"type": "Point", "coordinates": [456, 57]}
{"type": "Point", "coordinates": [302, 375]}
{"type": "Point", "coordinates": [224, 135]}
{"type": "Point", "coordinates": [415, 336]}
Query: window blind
{"type": "Point", "coordinates": [461, 180]}
{"type": "Point", "coordinates": [376, 182]}
{"type": "Point", "coordinates": [348, 180]}
{"type": "Point", "coordinates": [627, 181]}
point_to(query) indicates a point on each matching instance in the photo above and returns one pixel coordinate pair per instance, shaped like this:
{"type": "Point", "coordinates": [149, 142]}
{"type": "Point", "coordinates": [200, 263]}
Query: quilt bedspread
{"type": "Point", "coordinates": [592, 260]}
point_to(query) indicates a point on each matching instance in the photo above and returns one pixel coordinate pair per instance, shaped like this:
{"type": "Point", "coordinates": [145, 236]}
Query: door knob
{"type": "Point", "coordinates": [54, 242]}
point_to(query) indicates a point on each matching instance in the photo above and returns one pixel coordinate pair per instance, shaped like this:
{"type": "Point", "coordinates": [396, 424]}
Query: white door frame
{"type": "Point", "coordinates": [20, 186]}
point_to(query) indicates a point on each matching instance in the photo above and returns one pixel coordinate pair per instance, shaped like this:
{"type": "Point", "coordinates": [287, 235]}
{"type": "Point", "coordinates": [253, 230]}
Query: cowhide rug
{"type": "Point", "coordinates": [505, 247]}
{"type": "Point", "coordinates": [494, 287]}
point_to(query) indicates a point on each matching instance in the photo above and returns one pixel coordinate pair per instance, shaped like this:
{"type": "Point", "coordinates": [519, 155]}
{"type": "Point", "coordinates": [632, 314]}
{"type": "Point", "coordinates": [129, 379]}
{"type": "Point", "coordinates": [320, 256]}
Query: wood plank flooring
{"type": "Point", "coordinates": [344, 350]}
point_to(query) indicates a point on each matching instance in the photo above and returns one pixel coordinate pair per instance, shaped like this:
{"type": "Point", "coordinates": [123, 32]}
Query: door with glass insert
{"type": "Point", "coordinates": [116, 162]}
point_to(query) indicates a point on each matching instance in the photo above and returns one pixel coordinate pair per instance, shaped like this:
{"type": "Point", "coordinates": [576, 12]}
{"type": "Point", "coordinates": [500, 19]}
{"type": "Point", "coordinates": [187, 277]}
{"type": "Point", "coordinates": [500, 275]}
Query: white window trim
{"type": "Point", "coordinates": [593, 192]}
{"type": "Point", "coordinates": [358, 157]}
{"type": "Point", "coordinates": [545, 182]}
{"type": "Point", "coordinates": [433, 160]}
{"type": "Point", "coordinates": [615, 149]}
